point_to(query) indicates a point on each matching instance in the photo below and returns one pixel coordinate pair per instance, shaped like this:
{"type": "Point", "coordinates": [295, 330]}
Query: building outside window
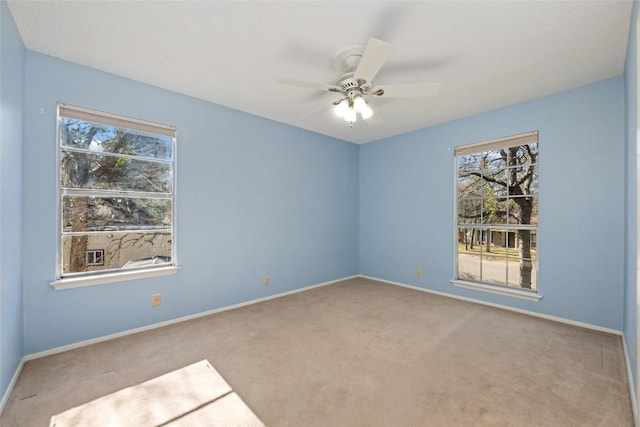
{"type": "Point", "coordinates": [94, 257]}
{"type": "Point", "coordinates": [497, 213]}
{"type": "Point", "coordinates": [116, 191]}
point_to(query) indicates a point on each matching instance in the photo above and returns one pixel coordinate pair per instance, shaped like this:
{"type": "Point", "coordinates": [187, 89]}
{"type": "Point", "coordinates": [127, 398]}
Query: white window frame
{"type": "Point", "coordinates": [73, 280]}
{"type": "Point", "coordinates": [510, 141]}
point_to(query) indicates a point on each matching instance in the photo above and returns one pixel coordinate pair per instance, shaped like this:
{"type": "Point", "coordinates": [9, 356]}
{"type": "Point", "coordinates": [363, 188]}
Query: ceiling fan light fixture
{"type": "Point", "coordinates": [361, 106]}
{"type": "Point", "coordinates": [349, 108]}
{"type": "Point", "coordinates": [359, 103]}
{"type": "Point", "coordinates": [350, 116]}
{"type": "Point", "coordinates": [341, 108]}
{"type": "Point", "coordinates": [366, 112]}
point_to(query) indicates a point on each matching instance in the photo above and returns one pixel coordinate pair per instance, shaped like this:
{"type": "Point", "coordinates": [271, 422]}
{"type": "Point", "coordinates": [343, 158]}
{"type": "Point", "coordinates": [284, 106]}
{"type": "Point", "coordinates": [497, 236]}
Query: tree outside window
{"type": "Point", "coordinates": [497, 211]}
{"type": "Point", "coordinates": [116, 192]}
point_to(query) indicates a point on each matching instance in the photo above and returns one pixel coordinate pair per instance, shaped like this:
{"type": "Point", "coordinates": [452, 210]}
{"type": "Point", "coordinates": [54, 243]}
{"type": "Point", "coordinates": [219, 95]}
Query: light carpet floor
{"type": "Point", "coordinates": [359, 353]}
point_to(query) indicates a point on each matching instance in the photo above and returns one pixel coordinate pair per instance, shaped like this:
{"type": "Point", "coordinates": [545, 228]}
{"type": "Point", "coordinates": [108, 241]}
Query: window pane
{"type": "Point", "coordinates": [533, 189]}
{"type": "Point", "coordinates": [496, 182]}
{"type": "Point", "coordinates": [469, 211]}
{"type": "Point", "coordinates": [534, 211]}
{"type": "Point", "coordinates": [499, 241]}
{"type": "Point", "coordinates": [526, 246]}
{"type": "Point", "coordinates": [470, 162]}
{"type": "Point", "coordinates": [523, 154]}
{"type": "Point", "coordinates": [523, 178]}
{"type": "Point", "coordinates": [104, 172]}
{"type": "Point", "coordinates": [470, 240]}
{"type": "Point", "coordinates": [524, 243]}
{"type": "Point", "coordinates": [81, 213]}
{"type": "Point", "coordinates": [493, 160]}
{"type": "Point", "coordinates": [494, 210]}
{"type": "Point", "coordinates": [494, 269]}
{"type": "Point", "coordinates": [107, 139]}
{"type": "Point", "coordinates": [534, 274]}
{"type": "Point", "coordinates": [470, 185]}
{"type": "Point", "coordinates": [469, 267]}
{"type": "Point", "coordinates": [523, 273]}
{"type": "Point", "coordinates": [121, 250]}
{"type": "Point", "coordinates": [523, 210]}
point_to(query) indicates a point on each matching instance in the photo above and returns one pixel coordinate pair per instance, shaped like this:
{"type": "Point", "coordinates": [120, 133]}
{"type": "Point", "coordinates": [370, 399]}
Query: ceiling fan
{"type": "Point", "coordinates": [356, 85]}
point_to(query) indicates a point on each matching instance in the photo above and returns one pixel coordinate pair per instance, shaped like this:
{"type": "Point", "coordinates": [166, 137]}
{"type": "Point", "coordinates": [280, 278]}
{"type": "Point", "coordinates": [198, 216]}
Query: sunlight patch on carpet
{"type": "Point", "coordinates": [195, 395]}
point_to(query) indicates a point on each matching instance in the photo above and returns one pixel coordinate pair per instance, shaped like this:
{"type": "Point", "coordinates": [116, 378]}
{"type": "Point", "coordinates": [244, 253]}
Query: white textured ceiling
{"type": "Point", "coordinates": [486, 54]}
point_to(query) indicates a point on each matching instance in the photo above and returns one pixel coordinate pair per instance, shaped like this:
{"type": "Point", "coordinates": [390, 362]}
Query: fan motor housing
{"type": "Point", "coordinates": [348, 83]}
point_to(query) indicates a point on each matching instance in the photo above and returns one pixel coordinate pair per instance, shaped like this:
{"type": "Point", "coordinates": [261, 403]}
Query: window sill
{"type": "Point", "coordinates": [515, 293]}
{"type": "Point", "coordinates": [100, 279]}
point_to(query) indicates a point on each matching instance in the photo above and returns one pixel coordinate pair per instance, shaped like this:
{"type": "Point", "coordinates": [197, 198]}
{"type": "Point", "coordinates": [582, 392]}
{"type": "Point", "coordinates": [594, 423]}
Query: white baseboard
{"type": "Point", "coordinates": [12, 384]}
{"type": "Point", "coordinates": [505, 307]}
{"type": "Point", "coordinates": [632, 390]}
{"type": "Point", "coordinates": [85, 343]}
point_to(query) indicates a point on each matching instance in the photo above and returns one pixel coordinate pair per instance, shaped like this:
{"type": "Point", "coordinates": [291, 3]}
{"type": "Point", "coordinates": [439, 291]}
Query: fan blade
{"type": "Point", "coordinates": [311, 85]}
{"type": "Point", "coordinates": [322, 110]}
{"type": "Point", "coordinates": [409, 91]}
{"type": "Point", "coordinates": [375, 55]}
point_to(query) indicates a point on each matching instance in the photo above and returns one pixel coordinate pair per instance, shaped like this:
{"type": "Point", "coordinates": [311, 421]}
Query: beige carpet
{"type": "Point", "coordinates": [191, 396]}
{"type": "Point", "coordinates": [359, 353]}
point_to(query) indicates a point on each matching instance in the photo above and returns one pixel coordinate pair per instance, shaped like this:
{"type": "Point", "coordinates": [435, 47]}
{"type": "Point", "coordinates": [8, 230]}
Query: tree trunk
{"type": "Point", "coordinates": [78, 249]}
{"type": "Point", "coordinates": [524, 243]}
{"type": "Point", "coordinates": [487, 235]}
{"type": "Point", "coordinates": [525, 258]}
{"type": "Point", "coordinates": [77, 258]}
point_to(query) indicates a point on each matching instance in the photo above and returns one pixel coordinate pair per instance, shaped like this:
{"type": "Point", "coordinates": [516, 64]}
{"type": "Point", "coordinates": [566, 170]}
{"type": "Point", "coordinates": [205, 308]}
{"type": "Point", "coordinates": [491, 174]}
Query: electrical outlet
{"type": "Point", "coordinates": [266, 280]}
{"type": "Point", "coordinates": [419, 272]}
{"type": "Point", "coordinates": [156, 299]}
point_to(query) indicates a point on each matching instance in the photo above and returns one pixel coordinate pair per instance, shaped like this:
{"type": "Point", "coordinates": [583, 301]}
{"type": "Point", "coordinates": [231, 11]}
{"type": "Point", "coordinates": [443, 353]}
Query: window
{"type": "Point", "coordinates": [116, 191]}
{"type": "Point", "coordinates": [94, 257]}
{"type": "Point", "coordinates": [497, 215]}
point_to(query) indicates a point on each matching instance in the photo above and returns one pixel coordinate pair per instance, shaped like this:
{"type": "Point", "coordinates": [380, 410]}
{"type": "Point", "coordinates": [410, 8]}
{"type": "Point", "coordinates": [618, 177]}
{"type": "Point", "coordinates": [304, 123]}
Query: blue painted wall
{"type": "Point", "coordinates": [407, 202]}
{"type": "Point", "coordinates": [11, 98]}
{"type": "Point", "coordinates": [254, 198]}
{"type": "Point", "coordinates": [257, 197]}
{"type": "Point", "coordinates": [631, 196]}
